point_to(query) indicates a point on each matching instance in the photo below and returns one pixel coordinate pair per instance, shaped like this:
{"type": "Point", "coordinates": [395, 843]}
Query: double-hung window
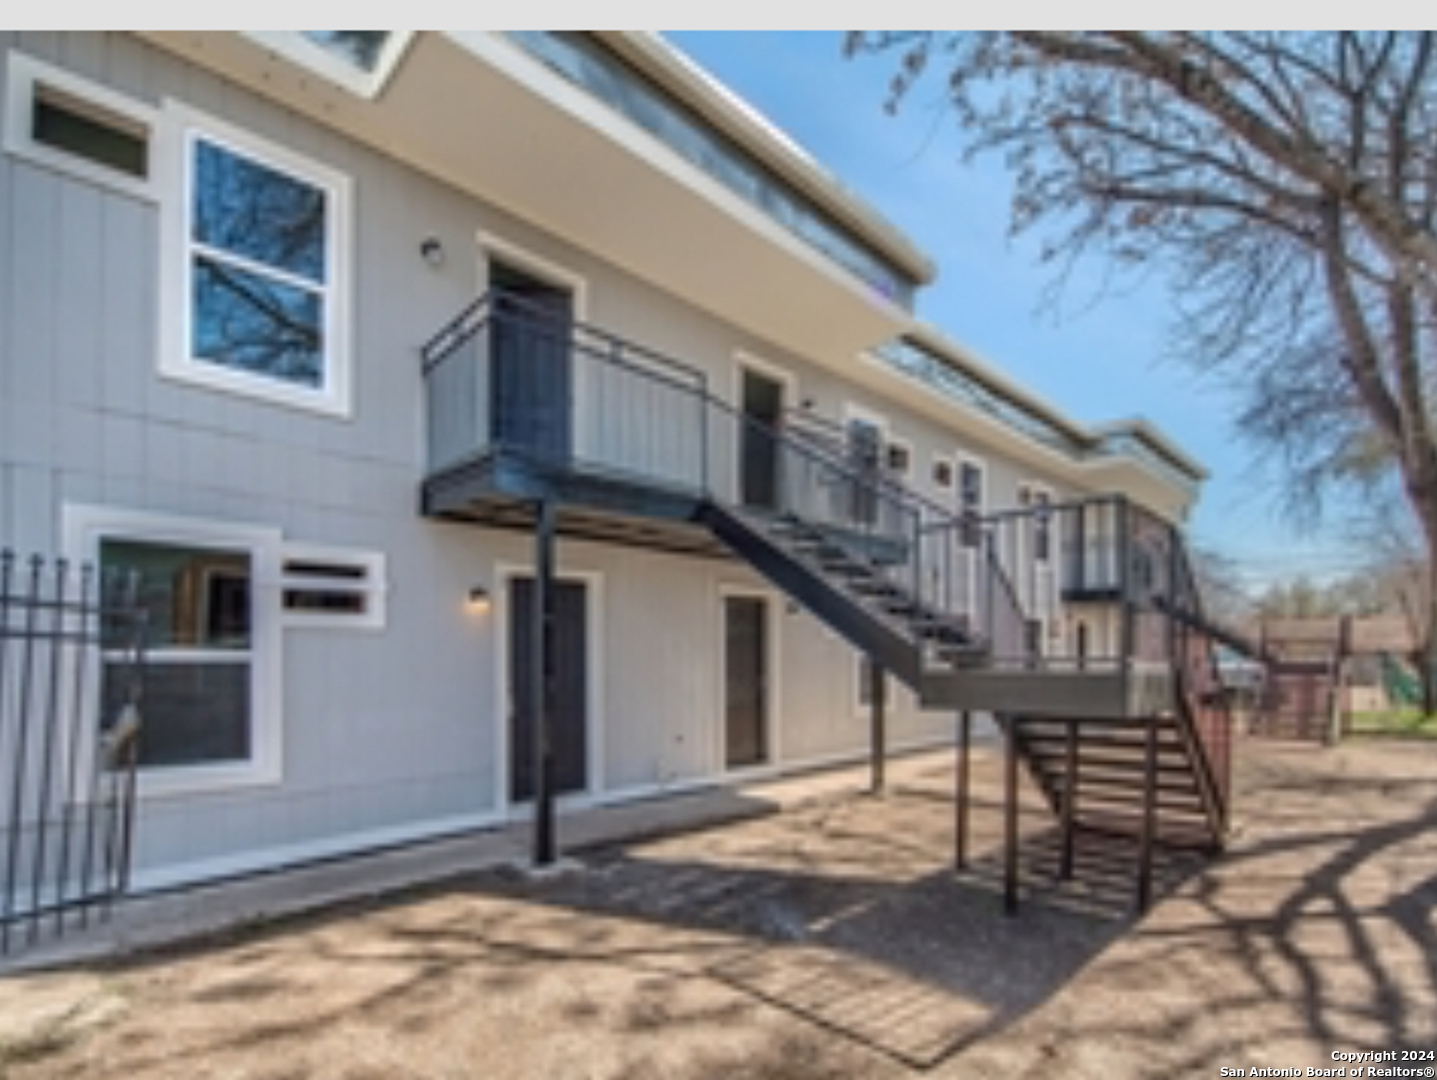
{"type": "Point", "coordinates": [257, 250]}
{"type": "Point", "coordinates": [209, 700]}
{"type": "Point", "coordinates": [198, 651]}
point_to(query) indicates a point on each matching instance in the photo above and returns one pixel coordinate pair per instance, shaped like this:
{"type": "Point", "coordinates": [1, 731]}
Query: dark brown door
{"type": "Point", "coordinates": [758, 441]}
{"type": "Point", "coordinates": [745, 680]}
{"type": "Point", "coordinates": [570, 689]}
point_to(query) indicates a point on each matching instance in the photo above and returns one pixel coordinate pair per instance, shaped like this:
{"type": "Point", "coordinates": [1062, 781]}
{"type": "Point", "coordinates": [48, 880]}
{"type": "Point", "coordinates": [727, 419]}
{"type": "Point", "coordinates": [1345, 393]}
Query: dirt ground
{"type": "Point", "coordinates": [828, 941]}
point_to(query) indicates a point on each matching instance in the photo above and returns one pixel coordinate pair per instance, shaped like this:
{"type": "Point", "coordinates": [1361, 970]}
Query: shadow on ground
{"type": "Point", "coordinates": [913, 968]}
{"type": "Point", "coordinates": [832, 941]}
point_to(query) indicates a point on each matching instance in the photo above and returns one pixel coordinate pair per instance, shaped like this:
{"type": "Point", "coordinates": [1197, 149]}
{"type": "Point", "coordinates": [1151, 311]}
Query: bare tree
{"type": "Point", "coordinates": [1398, 573]}
{"type": "Point", "coordinates": [1284, 183]}
{"type": "Point", "coordinates": [1226, 599]}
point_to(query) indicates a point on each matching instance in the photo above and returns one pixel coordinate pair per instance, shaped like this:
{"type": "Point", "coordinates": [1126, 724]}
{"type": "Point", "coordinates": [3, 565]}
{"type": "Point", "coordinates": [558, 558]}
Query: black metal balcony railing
{"type": "Point", "coordinates": [508, 377]}
{"type": "Point", "coordinates": [505, 377]}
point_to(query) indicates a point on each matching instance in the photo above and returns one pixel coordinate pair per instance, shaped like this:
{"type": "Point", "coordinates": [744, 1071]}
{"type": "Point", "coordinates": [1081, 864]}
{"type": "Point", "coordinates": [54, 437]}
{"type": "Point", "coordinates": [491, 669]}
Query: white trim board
{"type": "Point", "coordinates": [83, 526]}
{"type": "Point", "coordinates": [594, 744]}
{"type": "Point", "coordinates": [773, 693]}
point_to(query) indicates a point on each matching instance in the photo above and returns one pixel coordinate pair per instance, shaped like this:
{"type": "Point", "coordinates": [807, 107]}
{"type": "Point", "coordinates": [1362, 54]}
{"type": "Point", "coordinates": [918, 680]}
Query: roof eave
{"type": "Point", "coordinates": [695, 87]}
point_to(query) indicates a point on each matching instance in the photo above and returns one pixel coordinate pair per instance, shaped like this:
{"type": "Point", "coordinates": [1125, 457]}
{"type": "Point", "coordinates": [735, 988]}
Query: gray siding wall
{"type": "Point", "coordinates": [397, 728]}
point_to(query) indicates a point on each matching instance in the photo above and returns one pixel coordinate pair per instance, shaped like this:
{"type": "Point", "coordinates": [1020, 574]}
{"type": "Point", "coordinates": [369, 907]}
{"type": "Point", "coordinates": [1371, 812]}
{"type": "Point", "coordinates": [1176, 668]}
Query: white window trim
{"type": "Point", "coordinates": [492, 247]}
{"type": "Point", "coordinates": [744, 360]}
{"type": "Point", "coordinates": [373, 585]}
{"type": "Point", "coordinates": [505, 809]}
{"type": "Point", "coordinates": [174, 171]}
{"type": "Point", "coordinates": [24, 72]}
{"type": "Point", "coordinates": [905, 474]}
{"type": "Point", "coordinates": [1045, 604]}
{"type": "Point", "coordinates": [84, 526]}
{"type": "Point", "coordinates": [298, 49]}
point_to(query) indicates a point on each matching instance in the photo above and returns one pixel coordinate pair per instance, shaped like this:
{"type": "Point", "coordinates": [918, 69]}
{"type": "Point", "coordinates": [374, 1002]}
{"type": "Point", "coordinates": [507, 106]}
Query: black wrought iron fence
{"type": "Point", "coordinates": [70, 639]}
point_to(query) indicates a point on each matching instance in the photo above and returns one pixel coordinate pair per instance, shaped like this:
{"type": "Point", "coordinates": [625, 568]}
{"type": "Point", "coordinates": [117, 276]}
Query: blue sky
{"type": "Point", "coordinates": [1097, 362]}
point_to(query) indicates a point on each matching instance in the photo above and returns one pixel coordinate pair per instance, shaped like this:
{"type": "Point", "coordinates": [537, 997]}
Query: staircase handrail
{"type": "Point", "coordinates": [480, 311]}
{"type": "Point", "coordinates": [1217, 745]}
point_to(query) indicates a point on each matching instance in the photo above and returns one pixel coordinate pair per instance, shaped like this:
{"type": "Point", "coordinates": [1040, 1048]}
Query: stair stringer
{"type": "Point", "coordinates": [843, 614]}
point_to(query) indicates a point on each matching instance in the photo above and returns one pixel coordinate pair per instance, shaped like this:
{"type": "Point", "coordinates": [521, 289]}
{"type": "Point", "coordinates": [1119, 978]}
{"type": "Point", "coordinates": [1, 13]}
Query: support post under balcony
{"type": "Point", "coordinates": [1010, 818]}
{"type": "Point", "coordinates": [960, 791]}
{"type": "Point", "coordinates": [877, 725]}
{"type": "Point", "coordinates": [542, 683]}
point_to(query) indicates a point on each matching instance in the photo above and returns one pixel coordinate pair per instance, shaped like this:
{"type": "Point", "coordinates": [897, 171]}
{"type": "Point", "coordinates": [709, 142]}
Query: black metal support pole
{"type": "Point", "coordinates": [1150, 807]}
{"type": "Point", "coordinates": [1010, 819]}
{"type": "Point", "coordinates": [960, 791]}
{"type": "Point", "coordinates": [30, 604]}
{"type": "Point", "coordinates": [1070, 801]}
{"type": "Point", "coordinates": [541, 686]}
{"type": "Point", "coordinates": [877, 726]}
{"type": "Point", "coordinates": [50, 720]}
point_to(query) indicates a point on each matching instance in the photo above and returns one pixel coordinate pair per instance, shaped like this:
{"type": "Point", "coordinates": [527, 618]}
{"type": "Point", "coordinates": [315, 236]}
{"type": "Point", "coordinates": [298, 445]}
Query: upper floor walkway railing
{"type": "Point", "coordinates": [1062, 583]}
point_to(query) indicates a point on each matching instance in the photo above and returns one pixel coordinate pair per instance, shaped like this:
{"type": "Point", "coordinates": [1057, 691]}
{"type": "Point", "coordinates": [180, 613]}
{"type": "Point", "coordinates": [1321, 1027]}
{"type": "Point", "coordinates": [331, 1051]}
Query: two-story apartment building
{"type": "Point", "coordinates": [315, 330]}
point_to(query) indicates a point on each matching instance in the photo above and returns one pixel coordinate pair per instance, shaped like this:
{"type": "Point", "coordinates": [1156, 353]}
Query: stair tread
{"type": "Point", "coordinates": [1167, 796]}
{"type": "Point", "coordinates": [1110, 774]}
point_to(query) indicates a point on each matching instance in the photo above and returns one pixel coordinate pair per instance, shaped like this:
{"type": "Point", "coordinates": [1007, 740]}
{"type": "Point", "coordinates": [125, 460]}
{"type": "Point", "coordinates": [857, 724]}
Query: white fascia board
{"type": "Point", "coordinates": [530, 73]}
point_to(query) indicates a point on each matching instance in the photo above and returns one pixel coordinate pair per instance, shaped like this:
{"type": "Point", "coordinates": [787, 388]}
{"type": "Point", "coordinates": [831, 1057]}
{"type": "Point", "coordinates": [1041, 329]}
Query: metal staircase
{"type": "Point", "coordinates": [1128, 739]}
{"type": "Point", "coordinates": [1077, 626]}
{"type": "Point", "coordinates": [852, 590]}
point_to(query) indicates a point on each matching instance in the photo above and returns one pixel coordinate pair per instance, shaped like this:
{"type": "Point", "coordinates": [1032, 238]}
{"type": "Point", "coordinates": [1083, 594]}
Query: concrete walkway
{"type": "Point", "coordinates": [164, 917]}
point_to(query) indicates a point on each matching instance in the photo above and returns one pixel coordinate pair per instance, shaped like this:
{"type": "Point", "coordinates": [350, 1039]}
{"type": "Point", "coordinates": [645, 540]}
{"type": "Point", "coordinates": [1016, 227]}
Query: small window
{"type": "Point", "coordinates": [360, 61]}
{"type": "Point", "coordinates": [65, 122]}
{"type": "Point", "coordinates": [899, 457]}
{"type": "Point", "coordinates": [333, 588]}
{"type": "Point", "coordinates": [943, 473]}
{"type": "Point", "coordinates": [78, 127]}
{"type": "Point", "coordinates": [362, 48]}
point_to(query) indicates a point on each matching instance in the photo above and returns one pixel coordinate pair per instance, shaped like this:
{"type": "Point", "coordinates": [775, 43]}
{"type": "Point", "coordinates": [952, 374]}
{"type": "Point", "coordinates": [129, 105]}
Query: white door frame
{"type": "Point", "coordinates": [594, 771]}
{"type": "Point", "coordinates": [971, 557]}
{"type": "Point", "coordinates": [773, 690]}
{"type": "Point", "coordinates": [1041, 597]}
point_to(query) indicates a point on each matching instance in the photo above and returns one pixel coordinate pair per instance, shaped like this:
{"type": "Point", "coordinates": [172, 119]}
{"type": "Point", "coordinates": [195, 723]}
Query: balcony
{"type": "Point", "coordinates": [524, 403]}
